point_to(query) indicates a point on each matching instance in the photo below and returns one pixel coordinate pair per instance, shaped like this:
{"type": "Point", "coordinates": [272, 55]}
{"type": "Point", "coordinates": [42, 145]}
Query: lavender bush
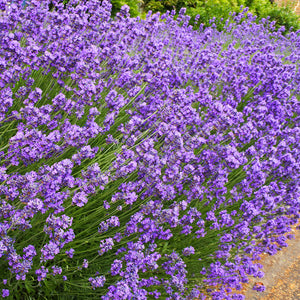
{"type": "Point", "coordinates": [141, 159]}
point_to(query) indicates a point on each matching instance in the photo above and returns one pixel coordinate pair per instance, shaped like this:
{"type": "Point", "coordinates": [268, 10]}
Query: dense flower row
{"type": "Point", "coordinates": [140, 158]}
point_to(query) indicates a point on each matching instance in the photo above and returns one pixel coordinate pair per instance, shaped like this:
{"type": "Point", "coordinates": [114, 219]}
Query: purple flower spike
{"type": "Point", "coordinates": [5, 293]}
{"type": "Point", "coordinates": [80, 199]}
{"type": "Point", "coordinates": [188, 251]}
{"type": "Point", "coordinates": [97, 281]}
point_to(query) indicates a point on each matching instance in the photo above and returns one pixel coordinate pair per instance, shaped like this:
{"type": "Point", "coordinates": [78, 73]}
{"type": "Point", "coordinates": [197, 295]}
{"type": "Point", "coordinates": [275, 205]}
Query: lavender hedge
{"type": "Point", "coordinates": [141, 159]}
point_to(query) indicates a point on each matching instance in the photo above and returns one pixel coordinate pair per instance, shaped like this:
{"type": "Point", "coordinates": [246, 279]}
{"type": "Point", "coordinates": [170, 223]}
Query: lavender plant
{"type": "Point", "coordinates": [141, 159]}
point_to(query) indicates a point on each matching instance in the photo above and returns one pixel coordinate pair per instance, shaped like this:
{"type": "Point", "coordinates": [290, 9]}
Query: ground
{"type": "Point", "coordinates": [282, 274]}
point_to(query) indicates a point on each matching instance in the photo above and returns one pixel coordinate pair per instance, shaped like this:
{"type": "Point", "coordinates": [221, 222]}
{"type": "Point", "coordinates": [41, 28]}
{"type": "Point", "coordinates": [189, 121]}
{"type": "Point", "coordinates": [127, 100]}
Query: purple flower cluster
{"type": "Point", "coordinates": [162, 137]}
{"type": "Point", "coordinates": [97, 281]}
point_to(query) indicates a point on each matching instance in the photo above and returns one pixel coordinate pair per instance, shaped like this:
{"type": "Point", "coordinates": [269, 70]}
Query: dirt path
{"type": "Point", "coordinates": [282, 274]}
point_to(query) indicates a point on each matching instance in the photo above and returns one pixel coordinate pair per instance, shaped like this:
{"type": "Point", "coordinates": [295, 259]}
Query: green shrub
{"type": "Point", "coordinates": [207, 9]}
{"type": "Point", "coordinates": [283, 16]}
{"type": "Point", "coordinates": [117, 4]}
{"type": "Point", "coordinates": [133, 4]}
{"type": "Point", "coordinates": [155, 6]}
{"type": "Point", "coordinates": [220, 10]}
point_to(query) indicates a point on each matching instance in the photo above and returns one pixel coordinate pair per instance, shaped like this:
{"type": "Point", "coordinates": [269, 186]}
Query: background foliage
{"type": "Point", "coordinates": [209, 9]}
{"type": "Point", "coordinates": [220, 9]}
{"type": "Point", "coordinates": [117, 4]}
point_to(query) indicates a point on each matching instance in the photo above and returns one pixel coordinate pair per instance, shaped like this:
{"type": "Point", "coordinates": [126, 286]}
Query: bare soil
{"type": "Point", "coordinates": [282, 274]}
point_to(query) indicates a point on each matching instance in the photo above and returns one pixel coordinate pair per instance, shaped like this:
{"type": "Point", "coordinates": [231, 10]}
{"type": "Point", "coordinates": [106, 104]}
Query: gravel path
{"type": "Point", "coordinates": [282, 274]}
